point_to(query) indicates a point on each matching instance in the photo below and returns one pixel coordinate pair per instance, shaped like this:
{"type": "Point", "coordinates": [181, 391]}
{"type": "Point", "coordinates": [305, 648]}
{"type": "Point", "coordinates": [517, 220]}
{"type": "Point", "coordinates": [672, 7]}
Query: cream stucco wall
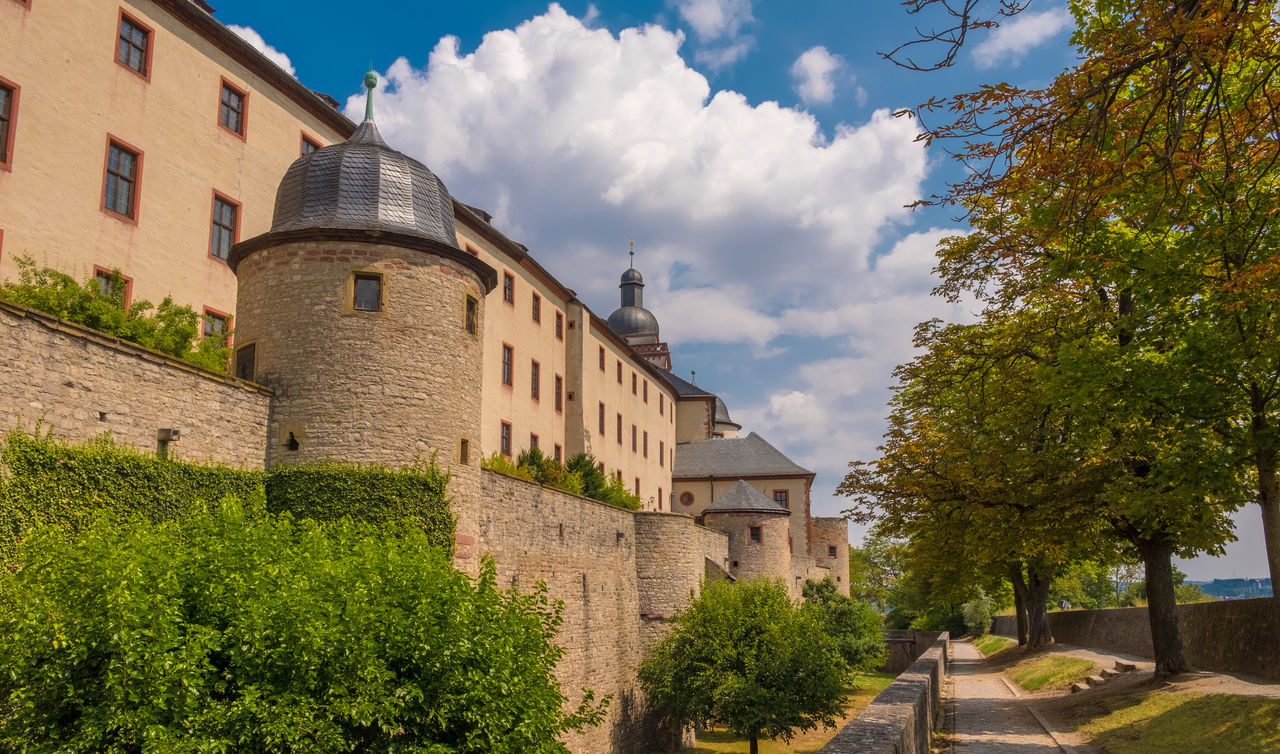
{"type": "Point", "coordinates": [513, 325]}
{"type": "Point", "coordinates": [654, 416]}
{"type": "Point", "coordinates": [50, 202]}
{"type": "Point", "coordinates": [693, 419]}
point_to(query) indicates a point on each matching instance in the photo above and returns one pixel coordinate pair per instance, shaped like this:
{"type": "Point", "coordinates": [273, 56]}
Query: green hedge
{"type": "Point", "coordinates": [376, 494]}
{"type": "Point", "coordinates": [45, 481]}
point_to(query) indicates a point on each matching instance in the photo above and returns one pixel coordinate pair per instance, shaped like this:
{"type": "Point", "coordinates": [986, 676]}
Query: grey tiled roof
{"type": "Point", "coordinates": [722, 414]}
{"type": "Point", "coordinates": [364, 184]}
{"type": "Point", "coordinates": [732, 457]}
{"type": "Point", "coordinates": [743, 497]}
{"type": "Point", "coordinates": [686, 389]}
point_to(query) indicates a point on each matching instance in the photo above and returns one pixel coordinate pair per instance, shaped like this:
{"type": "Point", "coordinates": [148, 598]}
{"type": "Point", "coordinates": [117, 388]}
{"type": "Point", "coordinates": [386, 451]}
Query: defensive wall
{"type": "Point", "coordinates": [621, 575]}
{"type": "Point", "coordinates": [80, 383]}
{"type": "Point", "coordinates": [1229, 636]}
{"type": "Point", "coordinates": [902, 718]}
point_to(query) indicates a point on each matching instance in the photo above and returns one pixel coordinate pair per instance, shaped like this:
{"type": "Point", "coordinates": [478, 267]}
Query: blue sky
{"type": "Point", "coordinates": [747, 146]}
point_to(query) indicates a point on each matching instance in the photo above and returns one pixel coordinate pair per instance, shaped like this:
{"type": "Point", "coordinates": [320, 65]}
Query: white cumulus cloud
{"type": "Point", "coordinates": [714, 19]}
{"type": "Point", "coordinates": [1011, 41]}
{"type": "Point", "coordinates": [255, 39]}
{"type": "Point", "coordinates": [815, 73]}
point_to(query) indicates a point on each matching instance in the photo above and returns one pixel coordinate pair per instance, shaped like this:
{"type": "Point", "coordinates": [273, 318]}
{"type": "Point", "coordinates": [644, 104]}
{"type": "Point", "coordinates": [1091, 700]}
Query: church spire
{"type": "Point", "coordinates": [370, 81]}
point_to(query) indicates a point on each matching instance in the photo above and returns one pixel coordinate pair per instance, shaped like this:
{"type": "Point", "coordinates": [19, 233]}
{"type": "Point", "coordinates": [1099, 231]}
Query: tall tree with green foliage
{"type": "Point", "coordinates": [241, 630]}
{"type": "Point", "coordinates": [743, 656]}
{"type": "Point", "coordinates": [856, 627]}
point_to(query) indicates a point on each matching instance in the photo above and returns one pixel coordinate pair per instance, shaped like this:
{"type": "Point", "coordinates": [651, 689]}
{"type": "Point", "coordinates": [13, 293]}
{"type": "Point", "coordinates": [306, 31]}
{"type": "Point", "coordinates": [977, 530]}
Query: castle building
{"type": "Point", "coordinates": [375, 319]}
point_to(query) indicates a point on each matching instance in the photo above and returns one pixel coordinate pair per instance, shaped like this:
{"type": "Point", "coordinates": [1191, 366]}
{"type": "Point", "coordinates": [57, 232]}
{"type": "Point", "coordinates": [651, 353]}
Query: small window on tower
{"type": "Point", "coordinates": [472, 318]}
{"type": "Point", "coordinates": [368, 293]}
{"type": "Point", "coordinates": [755, 534]}
{"type": "Point", "coordinates": [464, 452]}
{"type": "Point", "coordinates": [831, 551]}
{"type": "Point", "coordinates": [245, 358]}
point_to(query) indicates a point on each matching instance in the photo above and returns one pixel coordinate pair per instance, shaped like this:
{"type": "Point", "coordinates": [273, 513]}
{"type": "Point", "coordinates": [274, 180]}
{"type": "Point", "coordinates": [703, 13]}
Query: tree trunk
{"type": "Point", "coordinates": [755, 744]}
{"type": "Point", "coordinates": [1166, 638]}
{"type": "Point", "coordinates": [1038, 632]}
{"type": "Point", "coordinates": [1019, 602]}
{"type": "Point", "coordinates": [1265, 452]}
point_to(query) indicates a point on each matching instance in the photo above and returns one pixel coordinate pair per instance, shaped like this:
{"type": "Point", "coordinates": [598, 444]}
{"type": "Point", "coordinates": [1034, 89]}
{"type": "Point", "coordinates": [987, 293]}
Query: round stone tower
{"type": "Point", "coordinates": [758, 530]}
{"type": "Point", "coordinates": [362, 314]}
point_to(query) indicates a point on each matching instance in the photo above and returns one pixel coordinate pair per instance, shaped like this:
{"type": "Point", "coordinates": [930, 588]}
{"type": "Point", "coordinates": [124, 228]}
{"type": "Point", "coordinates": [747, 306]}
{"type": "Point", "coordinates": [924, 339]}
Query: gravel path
{"type": "Point", "coordinates": [988, 718]}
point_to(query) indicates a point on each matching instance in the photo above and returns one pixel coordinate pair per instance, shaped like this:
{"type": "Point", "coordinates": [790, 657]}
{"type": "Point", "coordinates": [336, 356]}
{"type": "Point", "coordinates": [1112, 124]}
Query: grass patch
{"type": "Point", "coordinates": [1051, 672]}
{"type": "Point", "coordinates": [1182, 722]}
{"type": "Point", "coordinates": [865, 687]}
{"type": "Point", "coordinates": [990, 644]}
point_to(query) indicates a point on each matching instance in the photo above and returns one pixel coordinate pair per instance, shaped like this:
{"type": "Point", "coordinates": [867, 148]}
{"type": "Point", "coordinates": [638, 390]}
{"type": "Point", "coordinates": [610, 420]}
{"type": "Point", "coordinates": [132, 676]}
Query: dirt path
{"type": "Point", "coordinates": [987, 715]}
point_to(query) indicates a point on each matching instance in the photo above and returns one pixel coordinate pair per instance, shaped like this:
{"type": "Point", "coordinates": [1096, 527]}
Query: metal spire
{"type": "Point", "coordinates": [370, 81]}
{"type": "Point", "coordinates": [632, 252]}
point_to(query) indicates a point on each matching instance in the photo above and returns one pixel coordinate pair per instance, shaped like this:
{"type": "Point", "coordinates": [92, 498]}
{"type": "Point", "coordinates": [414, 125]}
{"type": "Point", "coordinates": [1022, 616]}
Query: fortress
{"type": "Point", "coordinates": [375, 319]}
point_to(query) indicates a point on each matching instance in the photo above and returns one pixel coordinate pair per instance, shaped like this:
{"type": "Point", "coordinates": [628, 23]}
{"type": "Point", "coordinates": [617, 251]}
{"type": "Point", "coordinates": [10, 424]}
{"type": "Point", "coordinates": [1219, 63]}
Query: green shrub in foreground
{"type": "Point", "coordinates": [230, 631]}
{"type": "Point", "coordinates": [856, 627]}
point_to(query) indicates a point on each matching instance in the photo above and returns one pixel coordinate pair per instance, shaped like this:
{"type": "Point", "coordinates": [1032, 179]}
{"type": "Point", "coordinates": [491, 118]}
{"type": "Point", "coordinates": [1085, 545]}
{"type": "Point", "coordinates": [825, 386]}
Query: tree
{"type": "Point", "coordinates": [874, 568]}
{"type": "Point", "coordinates": [856, 627]}
{"type": "Point", "coordinates": [742, 655]}
{"type": "Point", "coordinates": [242, 630]}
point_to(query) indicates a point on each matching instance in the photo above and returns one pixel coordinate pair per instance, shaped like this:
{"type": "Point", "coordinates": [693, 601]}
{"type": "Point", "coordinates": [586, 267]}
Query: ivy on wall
{"type": "Point", "coordinates": [44, 481]}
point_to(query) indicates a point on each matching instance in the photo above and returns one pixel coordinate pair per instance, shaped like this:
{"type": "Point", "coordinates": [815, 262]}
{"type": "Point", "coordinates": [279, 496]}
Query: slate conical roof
{"type": "Point", "coordinates": [743, 498]}
{"type": "Point", "coordinates": [364, 184]}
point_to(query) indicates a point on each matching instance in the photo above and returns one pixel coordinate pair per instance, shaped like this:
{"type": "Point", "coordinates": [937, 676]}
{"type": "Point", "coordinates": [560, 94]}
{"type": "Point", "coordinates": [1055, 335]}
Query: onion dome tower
{"type": "Point", "coordinates": [361, 313]}
{"type": "Point", "coordinates": [636, 324]}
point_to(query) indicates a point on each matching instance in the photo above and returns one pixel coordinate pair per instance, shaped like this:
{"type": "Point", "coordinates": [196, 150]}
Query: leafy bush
{"type": "Point", "coordinates": [745, 657]}
{"type": "Point", "coordinates": [580, 476]}
{"type": "Point", "coordinates": [977, 614]}
{"type": "Point", "coordinates": [373, 493]}
{"type": "Point", "coordinates": [247, 631]}
{"type": "Point", "coordinates": [48, 482]}
{"type": "Point", "coordinates": [855, 625]}
{"type": "Point", "coordinates": [172, 329]}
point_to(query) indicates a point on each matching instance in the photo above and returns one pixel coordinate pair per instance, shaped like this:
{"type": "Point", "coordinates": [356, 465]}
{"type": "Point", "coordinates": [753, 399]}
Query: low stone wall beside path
{"type": "Point", "coordinates": [1228, 636]}
{"type": "Point", "coordinates": [902, 718]}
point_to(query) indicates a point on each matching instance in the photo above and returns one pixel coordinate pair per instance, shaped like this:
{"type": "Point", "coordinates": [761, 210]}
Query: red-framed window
{"type": "Point", "coordinates": [686, 498]}
{"type": "Point", "coordinates": [635, 445]}
{"type": "Point", "coordinates": [780, 497]}
{"type": "Point", "coordinates": [122, 180]}
{"type": "Point", "coordinates": [508, 365]}
{"type": "Point", "coordinates": [233, 109]}
{"type": "Point", "coordinates": [216, 324]}
{"type": "Point", "coordinates": [633, 383]}
{"type": "Point", "coordinates": [559, 326]}
{"type": "Point", "coordinates": [659, 498]}
{"type": "Point", "coordinates": [559, 456]}
{"type": "Point", "coordinates": [662, 404]}
{"type": "Point", "coordinates": [106, 278]}
{"type": "Point", "coordinates": [602, 419]}
{"type": "Point", "coordinates": [559, 394]}
{"type": "Point", "coordinates": [646, 391]}
{"type": "Point", "coordinates": [619, 429]}
{"type": "Point", "coordinates": [9, 96]}
{"type": "Point", "coordinates": [619, 371]}
{"type": "Point", "coordinates": [601, 358]}
{"type": "Point", "coordinates": [537, 308]}
{"type": "Point", "coordinates": [134, 43]}
{"type": "Point", "coordinates": [509, 288]}
{"type": "Point", "coordinates": [662, 454]}
{"type": "Point", "coordinates": [504, 439]}
{"type": "Point", "coordinates": [645, 444]}
{"type": "Point", "coordinates": [535, 380]}
{"type": "Point", "coordinates": [473, 251]}
{"type": "Point", "coordinates": [637, 486]}
{"type": "Point", "coordinates": [756, 534]}
{"type": "Point", "coordinates": [309, 145]}
{"type": "Point", "coordinates": [224, 227]}
{"type": "Point", "coordinates": [533, 440]}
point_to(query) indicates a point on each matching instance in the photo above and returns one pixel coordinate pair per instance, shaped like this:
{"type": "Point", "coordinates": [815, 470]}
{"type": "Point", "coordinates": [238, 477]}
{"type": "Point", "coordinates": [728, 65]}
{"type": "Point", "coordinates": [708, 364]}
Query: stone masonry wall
{"type": "Point", "coordinates": [81, 383]}
{"type": "Point", "coordinates": [769, 557]}
{"type": "Point", "coordinates": [831, 532]}
{"type": "Point", "coordinates": [390, 386]}
{"type": "Point", "coordinates": [671, 555]}
{"type": "Point", "coordinates": [585, 552]}
{"type": "Point", "coordinates": [1230, 636]}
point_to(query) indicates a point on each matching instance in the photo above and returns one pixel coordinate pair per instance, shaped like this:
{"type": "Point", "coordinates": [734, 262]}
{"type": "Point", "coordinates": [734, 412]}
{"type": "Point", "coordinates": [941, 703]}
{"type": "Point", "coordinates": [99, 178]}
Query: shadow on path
{"type": "Point", "coordinates": [987, 716]}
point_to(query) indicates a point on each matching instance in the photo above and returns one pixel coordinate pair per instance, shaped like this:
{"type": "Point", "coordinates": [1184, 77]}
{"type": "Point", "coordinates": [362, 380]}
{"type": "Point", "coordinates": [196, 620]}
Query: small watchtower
{"type": "Point", "coordinates": [360, 311]}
